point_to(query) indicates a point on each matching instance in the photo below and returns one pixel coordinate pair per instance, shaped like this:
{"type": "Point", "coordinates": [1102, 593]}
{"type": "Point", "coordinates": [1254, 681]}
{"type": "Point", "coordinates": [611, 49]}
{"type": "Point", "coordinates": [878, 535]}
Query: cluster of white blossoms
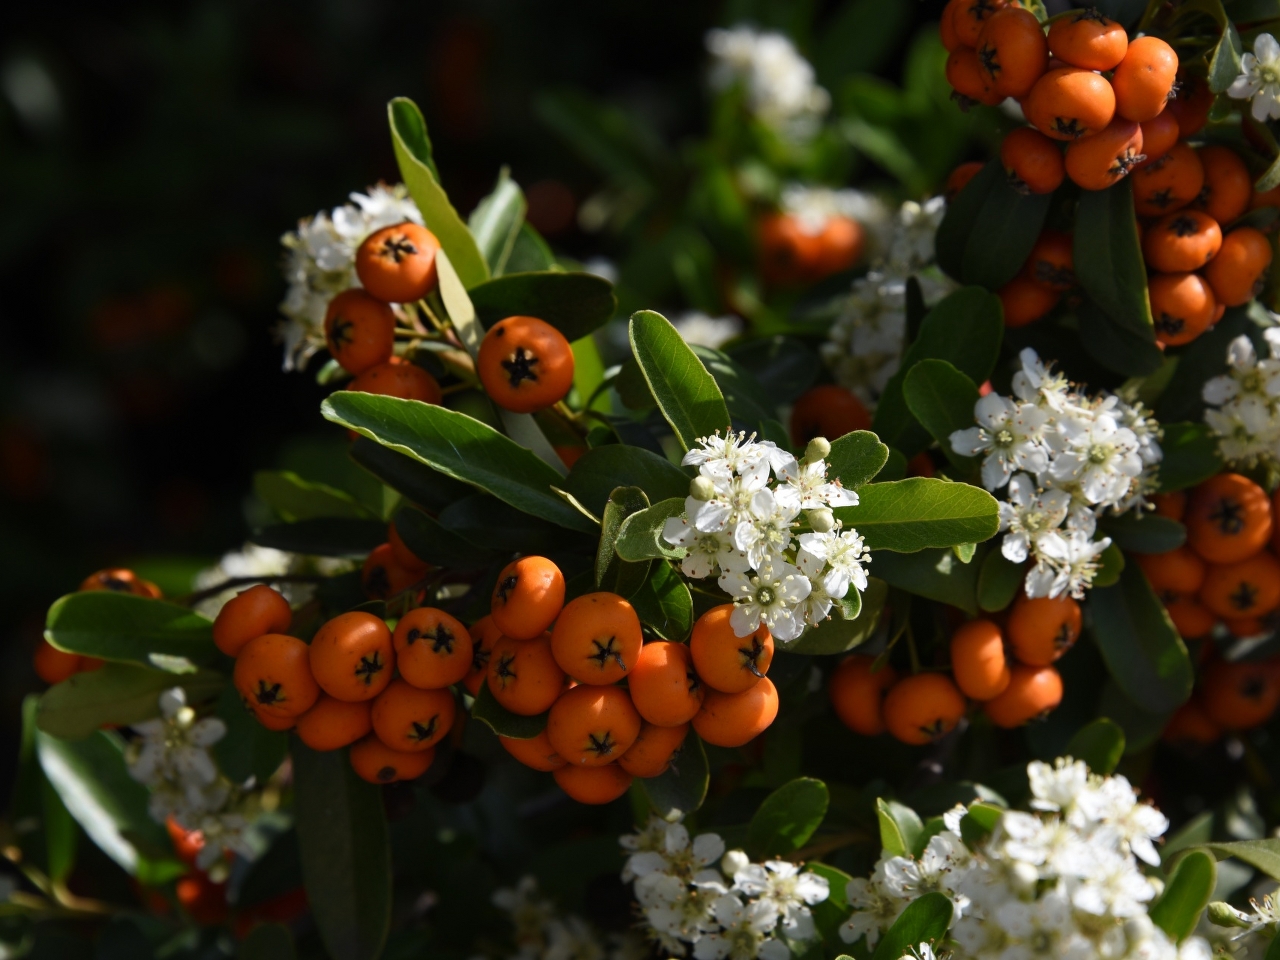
{"type": "Point", "coordinates": [864, 343]}
{"type": "Point", "coordinates": [1259, 79]}
{"type": "Point", "coordinates": [541, 931]}
{"type": "Point", "coordinates": [814, 206]}
{"type": "Point", "coordinates": [319, 263]}
{"type": "Point", "coordinates": [779, 84]}
{"type": "Point", "coordinates": [741, 519]}
{"type": "Point", "coordinates": [1244, 404]}
{"type": "Point", "coordinates": [171, 758]}
{"type": "Point", "coordinates": [1065, 457]}
{"type": "Point", "coordinates": [694, 894]}
{"type": "Point", "coordinates": [1062, 881]}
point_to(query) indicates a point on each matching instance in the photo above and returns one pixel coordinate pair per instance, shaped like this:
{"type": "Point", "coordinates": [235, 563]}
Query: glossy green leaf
{"type": "Point", "coordinates": [1111, 564]}
{"type": "Point", "coordinates": [495, 222]}
{"type": "Point", "coordinates": [936, 574]}
{"type": "Point", "coordinates": [1144, 532]}
{"type": "Point", "coordinates": [1138, 641]}
{"type": "Point", "coordinates": [50, 843]}
{"type": "Point", "coordinates": [664, 603]}
{"type": "Point", "coordinates": [1262, 854]}
{"type": "Point", "coordinates": [417, 170]}
{"type": "Point", "coordinates": [573, 303]}
{"type": "Point", "coordinates": [856, 458]}
{"type": "Point", "coordinates": [921, 512]}
{"type": "Point", "coordinates": [346, 852]}
{"type": "Point", "coordinates": [1107, 258]}
{"type": "Point", "coordinates": [900, 827]}
{"type": "Point", "coordinates": [1142, 728]}
{"type": "Point", "coordinates": [432, 542]}
{"type": "Point", "coordinates": [413, 479]}
{"type": "Point", "coordinates": [323, 536]}
{"type": "Point", "coordinates": [296, 499]}
{"type": "Point", "coordinates": [249, 749]}
{"type": "Point", "coordinates": [745, 398]}
{"type": "Point", "coordinates": [459, 446]}
{"type": "Point", "coordinates": [784, 366]}
{"type": "Point", "coordinates": [925, 920]}
{"type": "Point", "coordinates": [962, 214]}
{"type": "Point", "coordinates": [837, 634]}
{"type": "Point", "coordinates": [502, 721]}
{"type": "Point", "coordinates": [686, 393]}
{"type": "Point", "coordinates": [530, 253]}
{"type": "Point", "coordinates": [1186, 894]}
{"type": "Point", "coordinates": [1224, 61]}
{"type": "Point", "coordinates": [120, 626]}
{"type": "Point", "coordinates": [682, 788]}
{"type": "Point", "coordinates": [601, 469]}
{"type": "Point", "coordinates": [787, 818]}
{"type": "Point", "coordinates": [999, 580]}
{"type": "Point", "coordinates": [1004, 231]}
{"type": "Point", "coordinates": [1100, 744]}
{"type": "Point", "coordinates": [640, 536]}
{"type": "Point", "coordinates": [1190, 456]}
{"type": "Point", "coordinates": [119, 694]}
{"type": "Point", "coordinates": [979, 822]}
{"type": "Point", "coordinates": [1115, 347]}
{"type": "Point", "coordinates": [612, 573]}
{"type": "Point", "coordinates": [267, 941]}
{"type": "Point", "coordinates": [942, 399]}
{"type": "Point", "coordinates": [489, 524]}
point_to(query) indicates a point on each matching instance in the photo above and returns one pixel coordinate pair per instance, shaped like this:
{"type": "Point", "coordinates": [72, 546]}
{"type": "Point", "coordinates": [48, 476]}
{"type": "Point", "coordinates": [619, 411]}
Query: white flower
{"type": "Point", "coordinates": [1259, 79]}
{"type": "Point", "coordinates": [702, 329]}
{"type": "Point", "coordinates": [769, 597]}
{"type": "Point", "coordinates": [1035, 383]}
{"type": "Point", "coordinates": [1066, 562]}
{"type": "Point", "coordinates": [743, 934]}
{"type": "Point", "coordinates": [1028, 515]}
{"type": "Point", "coordinates": [1057, 787]}
{"type": "Point", "coordinates": [1098, 455]}
{"type": "Point", "coordinates": [1011, 435]}
{"type": "Point", "coordinates": [778, 82]}
{"type": "Point", "coordinates": [720, 458]}
{"type": "Point", "coordinates": [788, 890]}
{"type": "Point", "coordinates": [814, 490]}
{"type": "Point", "coordinates": [706, 553]}
{"type": "Point", "coordinates": [764, 534]}
{"type": "Point", "coordinates": [844, 554]}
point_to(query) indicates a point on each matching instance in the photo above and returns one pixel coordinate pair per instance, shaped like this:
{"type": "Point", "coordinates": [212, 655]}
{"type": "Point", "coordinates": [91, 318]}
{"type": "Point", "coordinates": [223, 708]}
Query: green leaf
{"type": "Point", "coordinates": [249, 749]}
{"type": "Point", "coordinates": [502, 721]}
{"type": "Point", "coordinates": [120, 626]}
{"type": "Point", "coordinates": [296, 499]}
{"type": "Point", "coordinates": [640, 536]}
{"type": "Point", "coordinates": [51, 845]}
{"type": "Point", "coordinates": [432, 542]}
{"type": "Point", "coordinates": [1107, 257]}
{"type": "Point", "coordinates": [962, 214]}
{"type": "Point", "coordinates": [495, 222]}
{"type": "Point", "coordinates": [784, 366]}
{"type": "Point", "coordinates": [979, 822]}
{"type": "Point", "coordinates": [573, 303]}
{"type": "Point", "coordinates": [921, 512]}
{"type": "Point", "coordinates": [459, 446]}
{"type": "Point", "coordinates": [683, 786]}
{"type": "Point", "coordinates": [1144, 532]}
{"type": "Point", "coordinates": [925, 920]}
{"type": "Point", "coordinates": [1115, 347]}
{"type": "Point", "coordinates": [1004, 231]}
{"type": "Point", "coordinates": [1262, 855]}
{"type": "Point", "coordinates": [612, 573]}
{"type": "Point", "coordinates": [489, 524]}
{"type": "Point", "coordinates": [900, 827]}
{"type": "Point", "coordinates": [1142, 650]}
{"type": "Point", "coordinates": [1141, 727]}
{"type": "Point", "coordinates": [664, 603]}
{"type": "Point", "coordinates": [416, 481]}
{"type": "Point", "coordinates": [942, 399]}
{"type": "Point", "coordinates": [601, 469]}
{"type": "Point", "coordinates": [1185, 895]}
{"type": "Point", "coordinates": [346, 852]}
{"type": "Point", "coordinates": [267, 941]}
{"type": "Point", "coordinates": [1111, 564]}
{"type": "Point", "coordinates": [1190, 456]}
{"type": "Point", "coordinates": [323, 536]}
{"type": "Point", "coordinates": [836, 634]}
{"type": "Point", "coordinates": [1224, 62]}
{"type": "Point", "coordinates": [856, 458]}
{"type": "Point", "coordinates": [118, 694]}
{"type": "Point", "coordinates": [530, 253]}
{"type": "Point", "coordinates": [417, 170]}
{"type": "Point", "coordinates": [686, 393]}
{"type": "Point", "coordinates": [745, 399]}
{"type": "Point", "coordinates": [1100, 744]}
{"type": "Point", "coordinates": [936, 574]}
{"type": "Point", "coordinates": [830, 914]}
{"type": "Point", "coordinates": [860, 37]}
{"type": "Point", "coordinates": [787, 818]}
{"type": "Point", "coordinates": [999, 581]}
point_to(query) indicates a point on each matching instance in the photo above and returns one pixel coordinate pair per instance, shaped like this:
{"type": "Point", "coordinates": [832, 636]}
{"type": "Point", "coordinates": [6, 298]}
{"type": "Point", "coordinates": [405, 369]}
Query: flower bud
{"type": "Point", "coordinates": [702, 489]}
{"type": "Point", "coordinates": [733, 861]}
{"type": "Point", "coordinates": [821, 520]}
{"type": "Point", "coordinates": [1224, 915]}
{"type": "Point", "coordinates": [817, 449]}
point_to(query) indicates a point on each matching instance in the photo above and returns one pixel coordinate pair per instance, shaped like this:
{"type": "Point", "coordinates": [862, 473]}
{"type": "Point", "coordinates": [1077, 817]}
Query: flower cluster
{"type": "Point", "coordinates": [741, 521]}
{"type": "Point", "coordinates": [692, 893]}
{"type": "Point", "coordinates": [319, 263]}
{"type": "Point", "coordinates": [1249, 933]}
{"type": "Point", "coordinates": [1259, 79]}
{"type": "Point", "coordinates": [1244, 404]}
{"type": "Point", "coordinates": [171, 757]}
{"type": "Point", "coordinates": [541, 932]}
{"type": "Point", "coordinates": [779, 84]}
{"type": "Point", "coordinates": [1065, 458]}
{"type": "Point", "coordinates": [864, 345]}
{"type": "Point", "coordinates": [1061, 881]}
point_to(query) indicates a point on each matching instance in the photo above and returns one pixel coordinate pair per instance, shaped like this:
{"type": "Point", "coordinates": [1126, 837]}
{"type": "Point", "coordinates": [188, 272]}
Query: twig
{"type": "Point", "coordinates": [194, 598]}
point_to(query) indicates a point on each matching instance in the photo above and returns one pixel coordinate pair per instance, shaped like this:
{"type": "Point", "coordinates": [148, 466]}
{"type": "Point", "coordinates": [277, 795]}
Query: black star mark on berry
{"type": "Point", "coordinates": [1228, 516]}
{"type": "Point", "coordinates": [1245, 596]}
{"type": "Point", "coordinates": [1068, 127]}
{"type": "Point", "coordinates": [341, 334]}
{"type": "Point", "coordinates": [369, 667]}
{"type": "Point", "coordinates": [397, 247]}
{"type": "Point", "coordinates": [1064, 637]}
{"type": "Point", "coordinates": [751, 656]}
{"type": "Point", "coordinates": [1171, 325]}
{"type": "Point", "coordinates": [1053, 274]}
{"type": "Point", "coordinates": [1182, 226]}
{"type": "Point", "coordinates": [520, 366]}
{"type": "Point", "coordinates": [420, 732]}
{"type": "Point", "coordinates": [503, 670]}
{"type": "Point", "coordinates": [378, 583]}
{"type": "Point", "coordinates": [441, 639]}
{"type": "Point", "coordinates": [605, 650]}
{"type": "Point", "coordinates": [601, 745]}
{"type": "Point", "coordinates": [1253, 688]}
{"type": "Point", "coordinates": [988, 57]}
{"type": "Point", "coordinates": [268, 694]}
{"type": "Point", "coordinates": [694, 682]}
{"type": "Point", "coordinates": [386, 773]}
{"type": "Point", "coordinates": [1161, 198]}
{"type": "Point", "coordinates": [115, 584]}
{"type": "Point", "coordinates": [505, 586]}
{"type": "Point", "coordinates": [1125, 162]}
{"type": "Point", "coordinates": [479, 657]}
{"type": "Point", "coordinates": [982, 9]}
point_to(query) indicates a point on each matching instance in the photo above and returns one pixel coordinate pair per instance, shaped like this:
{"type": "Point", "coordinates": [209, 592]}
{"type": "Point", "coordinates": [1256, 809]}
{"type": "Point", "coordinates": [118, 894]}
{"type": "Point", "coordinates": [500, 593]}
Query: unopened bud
{"type": "Point", "coordinates": [1224, 915]}
{"type": "Point", "coordinates": [702, 489]}
{"type": "Point", "coordinates": [817, 449]}
{"type": "Point", "coordinates": [821, 520]}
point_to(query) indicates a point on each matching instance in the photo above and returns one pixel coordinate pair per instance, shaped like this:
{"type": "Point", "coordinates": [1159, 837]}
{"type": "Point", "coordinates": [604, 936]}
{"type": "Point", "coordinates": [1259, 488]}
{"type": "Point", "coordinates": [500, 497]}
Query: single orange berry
{"type": "Point", "coordinates": [1106, 157]}
{"type": "Point", "coordinates": [1192, 104]}
{"type": "Point", "coordinates": [664, 686]}
{"type": "Point", "coordinates": [374, 761]}
{"type": "Point", "coordinates": [402, 554]}
{"type": "Point", "coordinates": [1191, 724]}
{"type": "Point", "coordinates": [1228, 518]}
{"type": "Point", "coordinates": [1182, 305]}
{"type": "Point", "coordinates": [977, 660]}
{"type": "Point", "coordinates": [968, 17]}
{"type": "Point", "coordinates": [1032, 692]}
{"type": "Point", "coordinates": [1185, 240]}
{"type": "Point", "coordinates": [359, 330]}
{"type": "Point", "coordinates": [857, 693]}
{"type": "Point", "coordinates": [840, 244]}
{"type": "Point", "coordinates": [536, 752]}
{"type": "Point", "coordinates": [1032, 162]}
{"type": "Point", "coordinates": [593, 785]}
{"type": "Point", "coordinates": [523, 675]}
{"type": "Point", "coordinates": [1012, 51]}
{"type": "Point", "coordinates": [1240, 696]}
{"type": "Point", "coordinates": [1143, 80]}
{"type": "Point", "coordinates": [1190, 618]}
{"type": "Point", "coordinates": [1227, 184]}
{"type": "Point", "coordinates": [1172, 505]}
{"type": "Point", "coordinates": [433, 649]}
{"type": "Point", "coordinates": [1169, 183]}
{"type": "Point", "coordinates": [406, 718]}
{"type": "Point", "coordinates": [527, 598]}
{"type": "Point", "coordinates": [1239, 270]}
{"type": "Point", "coordinates": [53, 665]}
{"type": "Point", "coordinates": [1246, 588]}
{"type": "Point", "coordinates": [1159, 134]}
{"type": "Point", "coordinates": [725, 661]}
{"type": "Point", "coordinates": [597, 638]}
{"type": "Point", "coordinates": [352, 657]}
{"type": "Point", "coordinates": [332, 724]}
{"type": "Point", "coordinates": [249, 614]}
{"type": "Point", "coordinates": [273, 723]}
{"type": "Point", "coordinates": [383, 576]}
{"type": "Point", "coordinates": [484, 634]}
{"type": "Point", "coordinates": [398, 378]}
{"type": "Point", "coordinates": [733, 719]}
{"type": "Point", "coordinates": [592, 725]}
{"type": "Point", "coordinates": [1024, 301]}
{"type": "Point", "coordinates": [1068, 103]}
{"type": "Point", "coordinates": [1089, 40]}
{"type": "Point", "coordinates": [119, 580]}
{"type": "Point", "coordinates": [1175, 575]}
{"type": "Point", "coordinates": [827, 411]}
{"type": "Point", "coordinates": [525, 364]}
{"type": "Point", "coordinates": [1042, 629]}
{"type": "Point", "coordinates": [1052, 262]}
{"type": "Point", "coordinates": [398, 263]}
{"type": "Point", "coordinates": [654, 749]}
{"type": "Point", "coordinates": [921, 708]}
{"type": "Point", "coordinates": [789, 252]}
{"type": "Point", "coordinates": [273, 676]}
{"type": "Point", "coordinates": [964, 73]}
{"type": "Point", "coordinates": [959, 178]}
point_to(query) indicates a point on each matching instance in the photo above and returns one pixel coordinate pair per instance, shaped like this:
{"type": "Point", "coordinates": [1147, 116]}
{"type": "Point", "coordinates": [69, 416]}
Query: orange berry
{"type": "Point", "coordinates": [523, 675]}
{"type": "Point", "coordinates": [187, 844]}
{"type": "Point", "coordinates": [725, 661]}
{"type": "Point", "coordinates": [1228, 518]}
{"type": "Point", "coordinates": [921, 708]}
{"type": "Point", "coordinates": [204, 900]}
{"type": "Point", "coordinates": [484, 634]}
{"type": "Point", "coordinates": [1068, 103]}
{"type": "Point", "coordinates": [1052, 262]}
{"type": "Point", "coordinates": [1176, 575]}
{"type": "Point", "coordinates": [1227, 184]}
{"type": "Point", "coordinates": [654, 749]}
{"type": "Point", "coordinates": [398, 378]}
{"type": "Point", "coordinates": [1144, 78]}
{"type": "Point", "coordinates": [1192, 104]}
{"type": "Point", "coordinates": [1032, 692]}
{"type": "Point", "coordinates": [1025, 301]}
{"type": "Point", "coordinates": [374, 761]}
{"type": "Point", "coordinates": [977, 660]}
{"type": "Point", "coordinates": [1042, 629]}
{"type": "Point", "coordinates": [592, 725]}
{"type": "Point", "coordinates": [597, 638]}
{"type": "Point", "coordinates": [398, 263]}
{"type": "Point", "coordinates": [733, 719]}
{"type": "Point", "coordinates": [1268, 198]}
{"type": "Point", "coordinates": [433, 649]}
{"type": "Point", "coordinates": [1191, 724]}
{"type": "Point", "coordinates": [1185, 240]}
{"type": "Point", "coordinates": [840, 245]}
{"type": "Point", "coordinates": [273, 723]}
{"type": "Point", "coordinates": [1190, 618]}
{"type": "Point", "coordinates": [1159, 134]}
{"type": "Point", "coordinates": [827, 411]}
{"type": "Point", "coordinates": [359, 330]}
{"type": "Point", "coordinates": [1032, 162]}
{"type": "Point", "coordinates": [664, 687]}
{"type": "Point", "coordinates": [1238, 271]}
{"type": "Point", "coordinates": [53, 665]}
{"type": "Point", "coordinates": [1172, 505]}
{"type": "Point", "coordinates": [1106, 157]}
{"type": "Point", "coordinates": [1239, 696]}
{"type": "Point", "coordinates": [968, 17]}
{"type": "Point", "coordinates": [1087, 39]}
{"type": "Point", "coordinates": [119, 580]}
{"type": "Point", "coordinates": [593, 785]}
{"type": "Point", "coordinates": [249, 614]}
{"type": "Point", "coordinates": [857, 694]}
{"type": "Point", "coordinates": [525, 364]}
{"type": "Point", "coordinates": [536, 753]}
{"type": "Point", "coordinates": [1245, 626]}
{"type": "Point", "coordinates": [273, 676]}
{"type": "Point", "coordinates": [1012, 51]}
{"type": "Point", "coordinates": [1182, 306]}
{"type": "Point", "coordinates": [352, 656]}
{"type": "Point", "coordinates": [382, 575]}
{"type": "Point", "coordinates": [947, 28]}
{"type": "Point", "coordinates": [964, 73]}
{"type": "Point", "coordinates": [789, 252]}
{"type": "Point", "coordinates": [960, 177]}
{"type": "Point", "coordinates": [1246, 588]}
{"type": "Point", "coordinates": [332, 724]}
{"type": "Point", "coordinates": [406, 718]}
{"type": "Point", "coordinates": [1169, 183]}
{"type": "Point", "coordinates": [527, 598]}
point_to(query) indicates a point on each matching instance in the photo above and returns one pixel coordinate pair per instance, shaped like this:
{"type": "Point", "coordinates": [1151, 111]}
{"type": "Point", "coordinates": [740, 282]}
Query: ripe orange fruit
{"type": "Point", "coordinates": [1190, 724]}
{"type": "Point", "coordinates": [592, 725]}
{"type": "Point", "coordinates": [249, 614]}
{"type": "Point", "coordinates": [1032, 692]}
{"type": "Point", "coordinates": [273, 723]}
{"type": "Point", "coordinates": [1182, 306]}
{"type": "Point", "coordinates": [360, 331]}
{"type": "Point", "coordinates": [960, 177]}
{"type": "Point", "coordinates": [433, 649]}
{"type": "Point", "coordinates": [1172, 505]}
{"type": "Point", "coordinates": [527, 597]}
{"type": "Point", "coordinates": [352, 657]}
{"type": "Point", "coordinates": [1087, 39]}
{"type": "Point", "coordinates": [1143, 80]}
{"type": "Point", "coordinates": [977, 660]}
{"type": "Point", "coordinates": [1185, 240]}
{"type": "Point", "coordinates": [1227, 184]}
{"type": "Point", "coordinates": [1068, 103]}
{"type": "Point", "coordinates": [1192, 104]}
{"type": "Point", "coordinates": [857, 694]}
{"type": "Point", "coordinates": [1240, 696]}
{"type": "Point", "coordinates": [374, 761]}
{"type": "Point", "coordinates": [525, 364]}
{"type": "Point", "coordinates": [921, 708]}
{"type": "Point", "coordinates": [654, 749]}
{"type": "Point", "coordinates": [1012, 51]}
{"type": "Point", "coordinates": [398, 263]}
{"type": "Point", "coordinates": [947, 29]}
{"type": "Point", "coordinates": [484, 634]}
{"type": "Point", "coordinates": [1190, 618]}
{"type": "Point", "coordinates": [1052, 263]}
{"type": "Point", "coordinates": [536, 753]}
{"type": "Point", "coordinates": [1025, 301]}
{"type": "Point", "coordinates": [187, 844]}
{"type": "Point", "coordinates": [1246, 588]}
{"type": "Point", "coordinates": [1176, 575]}
{"type": "Point", "coordinates": [1032, 162]}
{"type": "Point", "coordinates": [332, 724]}
{"type": "Point", "coordinates": [964, 73]}
{"type": "Point", "coordinates": [382, 575]}
{"type": "Point", "coordinates": [593, 785]}
{"type": "Point", "coordinates": [1238, 271]}
{"type": "Point", "coordinates": [273, 676]}
{"type": "Point", "coordinates": [1228, 518]}
{"type": "Point", "coordinates": [398, 378]}
{"type": "Point", "coordinates": [119, 580]}
{"type": "Point", "coordinates": [53, 665]}
{"type": "Point", "coordinates": [733, 719]}
{"type": "Point", "coordinates": [1245, 626]}
{"type": "Point", "coordinates": [788, 252]}
{"type": "Point", "coordinates": [1159, 134]}
{"type": "Point", "coordinates": [827, 411]}
{"type": "Point", "coordinates": [597, 638]}
{"type": "Point", "coordinates": [523, 675]}
{"type": "Point", "coordinates": [406, 718]}
{"type": "Point", "coordinates": [968, 17]}
{"type": "Point", "coordinates": [1169, 183]}
{"type": "Point", "coordinates": [840, 245]}
{"type": "Point", "coordinates": [1042, 629]}
{"type": "Point", "coordinates": [1098, 161]}
{"type": "Point", "coordinates": [204, 900]}
{"type": "Point", "coordinates": [664, 686]}
{"type": "Point", "coordinates": [725, 661]}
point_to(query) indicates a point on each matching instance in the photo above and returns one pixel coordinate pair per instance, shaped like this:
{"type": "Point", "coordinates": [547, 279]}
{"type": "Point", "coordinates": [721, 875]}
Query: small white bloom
{"type": "Point", "coordinates": [1259, 79]}
{"type": "Point", "coordinates": [1028, 515]}
{"type": "Point", "coordinates": [769, 597]}
{"type": "Point", "coordinates": [765, 532]}
{"type": "Point", "coordinates": [1010, 434]}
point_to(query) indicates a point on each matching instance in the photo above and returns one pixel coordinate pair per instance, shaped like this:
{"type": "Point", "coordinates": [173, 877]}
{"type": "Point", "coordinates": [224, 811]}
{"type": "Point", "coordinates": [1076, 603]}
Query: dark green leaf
{"type": "Point", "coordinates": [1144, 532]}
{"type": "Point", "coordinates": [432, 542]}
{"type": "Point", "coordinates": [612, 573]}
{"type": "Point", "coordinates": [1111, 564]}
{"type": "Point", "coordinates": [346, 852]}
{"type": "Point", "coordinates": [747, 401]}
{"type": "Point", "coordinates": [836, 634]}
{"type": "Point", "coordinates": [686, 393]}
{"type": "Point", "coordinates": [502, 721]}
{"type": "Point", "coordinates": [859, 37]}
{"type": "Point", "coordinates": [573, 303]}
{"type": "Point", "coordinates": [979, 822]}
{"type": "Point", "coordinates": [895, 468]}
{"type": "Point", "coordinates": [1190, 456]}
{"type": "Point", "coordinates": [495, 222]}
{"type": "Point", "coordinates": [999, 581]}
{"type": "Point", "coordinates": [936, 574]}
{"type": "Point", "coordinates": [856, 458]}
{"type": "Point", "coordinates": [530, 253]}
{"type": "Point", "coordinates": [296, 499]}
{"type": "Point", "coordinates": [600, 470]}
{"type": "Point", "coordinates": [1115, 347]}
{"type": "Point", "coordinates": [119, 694]}
{"type": "Point", "coordinates": [1125, 12]}
{"type": "Point", "coordinates": [640, 536]}
{"type": "Point", "coordinates": [784, 366]}
{"type": "Point", "coordinates": [1185, 895]}
{"type": "Point", "coordinates": [1263, 855]}
{"type": "Point", "coordinates": [1107, 258]}
{"type": "Point", "coordinates": [921, 512]}
{"type": "Point", "coordinates": [683, 787]}
{"type": "Point", "coordinates": [323, 536]}
{"type": "Point", "coordinates": [120, 626]}
{"type": "Point", "coordinates": [51, 845]}
{"type": "Point", "coordinates": [664, 603]}
{"type": "Point", "coordinates": [268, 941]}
{"type": "Point", "coordinates": [1224, 62]}
{"type": "Point", "coordinates": [787, 818]}
{"type": "Point", "coordinates": [462, 447]}
{"type": "Point", "coordinates": [1004, 231]}
{"type": "Point", "coordinates": [1100, 744]}
{"type": "Point", "coordinates": [942, 399]}
{"type": "Point", "coordinates": [924, 921]}
{"type": "Point", "coordinates": [1141, 727]}
{"type": "Point", "coordinates": [900, 827]}
{"type": "Point", "coordinates": [418, 482]}
{"type": "Point", "coordinates": [249, 749]}
{"type": "Point", "coordinates": [489, 524]}
{"type": "Point", "coordinates": [1142, 649]}
{"type": "Point", "coordinates": [961, 217]}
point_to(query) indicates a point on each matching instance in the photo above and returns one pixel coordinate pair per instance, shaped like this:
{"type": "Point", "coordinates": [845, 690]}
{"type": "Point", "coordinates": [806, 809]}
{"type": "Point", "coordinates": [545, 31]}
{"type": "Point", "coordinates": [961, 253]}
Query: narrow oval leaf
{"type": "Point", "coordinates": [602, 469]}
{"type": "Point", "coordinates": [1116, 347]}
{"type": "Point", "coordinates": [640, 535]}
{"type": "Point", "coordinates": [958, 222]}
{"type": "Point", "coordinates": [856, 458]}
{"type": "Point", "coordinates": [922, 512]}
{"type": "Point", "coordinates": [1185, 896]}
{"type": "Point", "coordinates": [249, 749]}
{"type": "Point", "coordinates": [502, 721]}
{"type": "Point", "coordinates": [118, 694]}
{"type": "Point", "coordinates": [432, 542]}
{"type": "Point", "coordinates": [323, 537]}
{"type": "Point", "coordinates": [837, 634]}
{"type": "Point", "coordinates": [612, 573]}
{"type": "Point", "coordinates": [686, 393]}
{"type": "Point", "coordinates": [787, 818]}
{"type": "Point", "coordinates": [1144, 532]}
{"type": "Point", "coordinates": [1263, 855]}
{"type": "Point", "coordinates": [412, 479]}
{"type": "Point", "coordinates": [925, 921]}
{"type": "Point", "coordinates": [1190, 456]}
{"type": "Point", "coordinates": [495, 222]}
{"type": "Point", "coordinates": [745, 399]}
{"type": "Point", "coordinates": [1100, 744]}
{"type": "Point", "coordinates": [573, 303]}
{"type": "Point", "coordinates": [999, 580]}
{"type": "Point", "coordinates": [296, 499]}
{"type": "Point", "coordinates": [664, 603]}
{"type": "Point", "coordinates": [1107, 257]}
{"type": "Point", "coordinates": [942, 399]}
{"type": "Point", "coordinates": [784, 366]}
{"type": "Point", "coordinates": [1004, 231]}
{"type": "Point", "coordinates": [937, 574]}
{"type": "Point", "coordinates": [120, 626]}
{"type": "Point", "coordinates": [682, 788]}
{"type": "Point", "coordinates": [900, 827]}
